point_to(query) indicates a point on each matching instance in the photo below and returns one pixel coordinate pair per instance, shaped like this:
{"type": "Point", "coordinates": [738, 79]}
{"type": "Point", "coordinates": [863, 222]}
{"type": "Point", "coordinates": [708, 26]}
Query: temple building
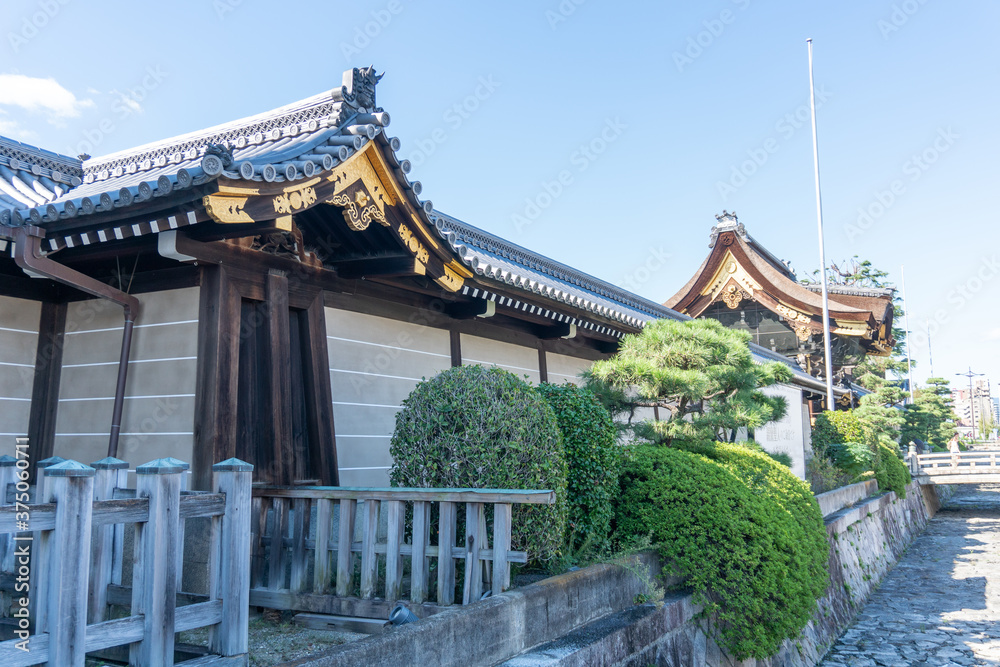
{"type": "Point", "coordinates": [746, 287]}
{"type": "Point", "coordinates": [284, 288]}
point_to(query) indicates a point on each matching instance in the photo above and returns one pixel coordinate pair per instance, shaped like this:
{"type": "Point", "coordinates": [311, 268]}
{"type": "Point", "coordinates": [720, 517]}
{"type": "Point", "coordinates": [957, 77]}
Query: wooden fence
{"type": "Point", "coordinates": [296, 530]}
{"type": "Point", "coordinates": [69, 549]}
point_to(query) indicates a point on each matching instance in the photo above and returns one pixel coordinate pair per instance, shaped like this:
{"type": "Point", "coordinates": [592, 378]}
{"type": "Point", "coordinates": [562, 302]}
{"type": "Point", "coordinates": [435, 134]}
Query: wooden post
{"type": "Point", "coordinates": [8, 476]}
{"type": "Point", "coordinates": [447, 517]}
{"type": "Point", "coordinates": [232, 586]}
{"type": "Point", "coordinates": [71, 487]}
{"type": "Point", "coordinates": [501, 547]}
{"type": "Point", "coordinates": [345, 539]}
{"type": "Point", "coordinates": [40, 546]}
{"type": "Point", "coordinates": [154, 577]}
{"type": "Point", "coordinates": [418, 561]}
{"type": "Point", "coordinates": [321, 554]}
{"type": "Point", "coordinates": [393, 556]}
{"type": "Point", "coordinates": [369, 560]}
{"type": "Point", "coordinates": [473, 565]}
{"type": "Point", "coordinates": [111, 474]}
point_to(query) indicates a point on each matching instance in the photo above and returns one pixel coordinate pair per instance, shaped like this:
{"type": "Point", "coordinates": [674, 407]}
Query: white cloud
{"type": "Point", "coordinates": [993, 335]}
{"type": "Point", "coordinates": [128, 101]}
{"type": "Point", "coordinates": [36, 94]}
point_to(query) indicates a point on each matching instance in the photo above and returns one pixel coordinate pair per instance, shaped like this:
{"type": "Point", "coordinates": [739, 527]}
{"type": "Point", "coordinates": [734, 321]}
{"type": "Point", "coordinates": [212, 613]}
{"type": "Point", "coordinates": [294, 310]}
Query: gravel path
{"type": "Point", "coordinates": [941, 604]}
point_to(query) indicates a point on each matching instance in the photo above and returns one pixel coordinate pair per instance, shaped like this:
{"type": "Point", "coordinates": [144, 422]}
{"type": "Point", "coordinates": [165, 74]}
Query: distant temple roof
{"type": "Point", "coordinates": [739, 268]}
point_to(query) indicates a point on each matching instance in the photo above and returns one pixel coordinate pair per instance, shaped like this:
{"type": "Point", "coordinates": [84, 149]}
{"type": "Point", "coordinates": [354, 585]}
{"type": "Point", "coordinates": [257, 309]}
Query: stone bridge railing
{"type": "Point", "coordinates": [954, 468]}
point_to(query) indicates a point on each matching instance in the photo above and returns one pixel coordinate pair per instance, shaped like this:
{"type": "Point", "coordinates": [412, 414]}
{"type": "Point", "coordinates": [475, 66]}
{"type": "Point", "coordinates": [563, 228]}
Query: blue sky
{"type": "Point", "coordinates": [606, 135]}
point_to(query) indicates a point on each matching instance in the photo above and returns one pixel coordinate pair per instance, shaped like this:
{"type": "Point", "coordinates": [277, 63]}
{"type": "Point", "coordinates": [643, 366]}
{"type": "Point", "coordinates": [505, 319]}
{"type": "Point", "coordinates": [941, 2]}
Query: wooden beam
{"type": "Point", "coordinates": [45, 387]}
{"type": "Point", "coordinates": [556, 331]}
{"type": "Point", "coordinates": [379, 266]}
{"type": "Point", "coordinates": [215, 411]}
{"type": "Point", "coordinates": [482, 308]}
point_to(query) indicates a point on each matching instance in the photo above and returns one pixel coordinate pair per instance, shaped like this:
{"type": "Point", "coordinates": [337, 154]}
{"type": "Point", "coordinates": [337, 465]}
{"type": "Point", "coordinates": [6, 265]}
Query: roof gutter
{"type": "Point", "coordinates": [28, 255]}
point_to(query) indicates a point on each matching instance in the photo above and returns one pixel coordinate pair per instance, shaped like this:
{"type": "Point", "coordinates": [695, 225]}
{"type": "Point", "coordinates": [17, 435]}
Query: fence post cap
{"type": "Point", "coordinates": [164, 466]}
{"type": "Point", "coordinates": [70, 469]}
{"type": "Point", "coordinates": [49, 462]}
{"type": "Point", "coordinates": [232, 465]}
{"type": "Point", "coordinates": [7, 460]}
{"type": "Point", "coordinates": [109, 463]}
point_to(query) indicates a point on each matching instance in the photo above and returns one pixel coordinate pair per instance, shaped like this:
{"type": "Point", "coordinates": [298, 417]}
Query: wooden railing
{"type": "Point", "coordinates": [72, 558]}
{"type": "Point", "coordinates": [296, 530]}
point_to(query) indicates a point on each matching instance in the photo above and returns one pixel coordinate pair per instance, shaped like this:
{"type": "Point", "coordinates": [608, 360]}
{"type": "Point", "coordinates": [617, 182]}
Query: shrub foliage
{"type": "Point", "coordinates": [746, 534]}
{"type": "Point", "coordinates": [477, 427]}
{"type": "Point", "coordinates": [588, 436]}
{"type": "Point", "coordinates": [891, 472]}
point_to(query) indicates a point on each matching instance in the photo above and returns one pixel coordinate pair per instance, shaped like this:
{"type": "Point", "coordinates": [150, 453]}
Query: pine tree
{"type": "Point", "coordinates": [931, 417]}
{"type": "Point", "coordinates": [698, 373]}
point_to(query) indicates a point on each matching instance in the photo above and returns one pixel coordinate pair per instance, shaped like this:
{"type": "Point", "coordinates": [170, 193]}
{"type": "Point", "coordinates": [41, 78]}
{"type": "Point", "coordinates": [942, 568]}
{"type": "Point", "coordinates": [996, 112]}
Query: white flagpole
{"type": "Point", "coordinates": [906, 328]}
{"type": "Point", "coordinates": [830, 405]}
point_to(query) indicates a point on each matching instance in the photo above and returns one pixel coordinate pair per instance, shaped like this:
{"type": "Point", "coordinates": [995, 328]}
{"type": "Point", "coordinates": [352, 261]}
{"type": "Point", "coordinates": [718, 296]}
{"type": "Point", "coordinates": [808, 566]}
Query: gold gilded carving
{"type": "Point", "coordinates": [226, 210]}
{"type": "Point", "coordinates": [295, 200]}
{"type": "Point", "coordinates": [730, 273]}
{"type": "Point", "coordinates": [451, 281]}
{"type": "Point", "coordinates": [792, 314]}
{"type": "Point", "coordinates": [359, 168]}
{"type": "Point", "coordinates": [803, 333]}
{"type": "Point", "coordinates": [733, 296]}
{"type": "Point", "coordinates": [358, 218]}
{"type": "Point", "coordinates": [413, 244]}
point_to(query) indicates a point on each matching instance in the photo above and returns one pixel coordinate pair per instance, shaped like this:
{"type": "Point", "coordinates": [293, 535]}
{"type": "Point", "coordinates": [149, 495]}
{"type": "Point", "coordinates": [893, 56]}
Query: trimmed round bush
{"type": "Point", "coordinates": [589, 442]}
{"type": "Point", "coordinates": [477, 427]}
{"type": "Point", "coordinates": [746, 534]}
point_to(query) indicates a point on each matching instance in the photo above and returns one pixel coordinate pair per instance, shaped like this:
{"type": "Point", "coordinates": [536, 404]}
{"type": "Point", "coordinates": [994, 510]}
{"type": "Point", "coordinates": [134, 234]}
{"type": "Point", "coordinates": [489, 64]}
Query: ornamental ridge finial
{"type": "Point", "coordinates": [727, 216]}
{"type": "Point", "coordinates": [359, 86]}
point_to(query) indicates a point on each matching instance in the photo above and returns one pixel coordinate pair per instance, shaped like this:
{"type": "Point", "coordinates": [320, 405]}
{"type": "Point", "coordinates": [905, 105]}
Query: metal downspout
{"type": "Point", "coordinates": [28, 255]}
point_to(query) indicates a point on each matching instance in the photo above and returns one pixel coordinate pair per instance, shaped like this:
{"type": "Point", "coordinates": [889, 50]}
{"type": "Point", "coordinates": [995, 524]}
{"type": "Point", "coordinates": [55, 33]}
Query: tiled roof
{"type": "Point", "coordinates": [496, 258]}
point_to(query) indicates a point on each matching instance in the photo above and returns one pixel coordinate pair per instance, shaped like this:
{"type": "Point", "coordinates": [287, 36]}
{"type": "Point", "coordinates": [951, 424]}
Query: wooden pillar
{"type": "Point", "coordinates": [232, 585]}
{"type": "Point", "coordinates": [71, 487]}
{"type": "Point", "coordinates": [456, 348]}
{"type": "Point", "coordinates": [45, 387]}
{"type": "Point", "coordinates": [154, 578]}
{"type": "Point", "coordinates": [218, 373]}
{"type": "Point", "coordinates": [279, 380]}
{"type": "Point", "coordinates": [316, 370]}
{"type": "Point", "coordinates": [543, 365]}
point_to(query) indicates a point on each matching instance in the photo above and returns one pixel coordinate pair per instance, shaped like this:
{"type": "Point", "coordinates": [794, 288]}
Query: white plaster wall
{"type": "Point", "coordinates": [375, 363]}
{"type": "Point", "coordinates": [158, 415]}
{"type": "Point", "coordinates": [563, 368]}
{"type": "Point", "coordinates": [519, 360]}
{"type": "Point", "coordinates": [786, 435]}
{"type": "Point", "coordinates": [18, 343]}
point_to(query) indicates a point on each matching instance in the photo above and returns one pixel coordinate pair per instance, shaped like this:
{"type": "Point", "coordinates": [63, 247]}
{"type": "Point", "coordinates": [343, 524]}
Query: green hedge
{"type": "Point", "coordinates": [588, 436]}
{"type": "Point", "coordinates": [835, 427]}
{"type": "Point", "coordinates": [890, 470]}
{"type": "Point", "coordinates": [745, 533]}
{"type": "Point", "coordinates": [477, 427]}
